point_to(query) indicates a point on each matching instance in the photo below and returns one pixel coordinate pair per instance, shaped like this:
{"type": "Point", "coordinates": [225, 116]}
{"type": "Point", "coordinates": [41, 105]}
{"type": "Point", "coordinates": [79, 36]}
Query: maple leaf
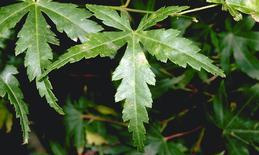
{"type": "Point", "coordinates": [134, 70]}
{"type": "Point", "coordinates": [10, 85]}
{"type": "Point", "coordinates": [237, 131]}
{"type": "Point", "coordinates": [241, 41]}
{"type": "Point", "coordinates": [35, 35]}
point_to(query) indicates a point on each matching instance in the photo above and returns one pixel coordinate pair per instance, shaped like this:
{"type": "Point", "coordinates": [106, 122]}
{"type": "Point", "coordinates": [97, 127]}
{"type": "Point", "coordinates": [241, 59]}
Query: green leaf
{"type": "Point", "coordinates": [10, 15]}
{"type": "Point", "coordinates": [234, 148]}
{"type": "Point", "coordinates": [166, 44]}
{"type": "Point", "coordinates": [9, 85]}
{"type": "Point", "coordinates": [70, 19]}
{"type": "Point", "coordinates": [241, 41]}
{"type": "Point", "coordinates": [134, 70]}
{"type": "Point", "coordinates": [111, 17]}
{"type": "Point", "coordinates": [74, 125]}
{"type": "Point", "coordinates": [236, 6]}
{"type": "Point", "coordinates": [158, 145]}
{"type": "Point", "coordinates": [135, 73]}
{"type": "Point", "coordinates": [238, 132]}
{"type": "Point", "coordinates": [161, 14]}
{"type": "Point", "coordinates": [103, 44]}
{"type": "Point", "coordinates": [34, 38]}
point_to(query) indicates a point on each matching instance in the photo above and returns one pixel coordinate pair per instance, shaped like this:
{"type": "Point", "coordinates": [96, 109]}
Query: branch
{"type": "Point", "coordinates": [97, 118]}
{"type": "Point", "coordinates": [181, 134]}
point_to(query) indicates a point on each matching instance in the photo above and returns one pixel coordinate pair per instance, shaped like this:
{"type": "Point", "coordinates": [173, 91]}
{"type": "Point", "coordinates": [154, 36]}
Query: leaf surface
{"type": "Point", "coordinates": [33, 39]}
{"type": "Point", "coordinates": [166, 44]}
{"type": "Point", "coordinates": [134, 70]}
{"type": "Point", "coordinates": [70, 19]}
{"type": "Point", "coordinates": [10, 85]}
{"type": "Point", "coordinates": [136, 74]}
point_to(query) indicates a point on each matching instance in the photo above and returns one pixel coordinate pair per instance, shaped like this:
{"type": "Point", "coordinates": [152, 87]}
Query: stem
{"type": "Point", "coordinates": [123, 8]}
{"type": "Point", "coordinates": [181, 134]}
{"type": "Point", "coordinates": [97, 118]}
{"type": "Point", "coordinates": [126, 4]}
{"type": "Point", "coordinates": [198, 9]}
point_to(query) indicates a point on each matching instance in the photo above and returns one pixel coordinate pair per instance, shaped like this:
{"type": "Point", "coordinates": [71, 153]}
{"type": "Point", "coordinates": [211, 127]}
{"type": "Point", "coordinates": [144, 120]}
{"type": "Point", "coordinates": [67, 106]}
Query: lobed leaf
{"type": "Point", "coordinates": [33, 39]}
{"type": "Point", "coordinates": [70, 19]}
{"type": "Point", "coordinates": [240, 42]}
{"type": "Point", "coordinates": [136, 74]}
{"type": "Point", "coordinates": [111, 17]}
{"type": "Point", "coordinates": [134, 70]}
{"type": "Point", "coordinates": [166, 44]}
{"type": "Point", "coordinates": [10, 15]}
{"type": "Point", "coordinates": [103, 44]}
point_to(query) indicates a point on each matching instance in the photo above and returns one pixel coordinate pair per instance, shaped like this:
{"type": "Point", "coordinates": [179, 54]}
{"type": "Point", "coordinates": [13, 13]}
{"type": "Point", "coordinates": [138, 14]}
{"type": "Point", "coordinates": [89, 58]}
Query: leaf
{"type": "Point", "coordinates": [158, 145]}
{"type": "Point", "coordinates": [234, 148]}
{"type": "Point", "coordinates": [10, 15]}
{"type": "Point", "coordinates": [74, 125]}
{"type": "Point", "coordinates": [110, 17]}
{"type": "Point", "coordinates": [134, 70]}
{"type": "Point", "coordinates": [235, 6]}
{"type": "Point", "coordinates": [240, 41]}
{"type": "Point", "coordinates": [9, 85]}
{"type": "Point", "coordinates": [70, 19]}
{"type": "Point", "coordinates": [103, 44]}
{"type": "Point", "coordinates": [165, 44]}
{"type": "Point", "coordinates": [161, 14]}
{"type": "Point", "coordinates": [238, 132]}
{"type": "Point", "coordinates": [135, 73]}
{"type": "Point", "coordinates": [34, 38]}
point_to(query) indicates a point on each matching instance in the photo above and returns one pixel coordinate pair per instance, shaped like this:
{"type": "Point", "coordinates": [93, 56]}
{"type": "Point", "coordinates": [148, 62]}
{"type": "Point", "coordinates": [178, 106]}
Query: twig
{"type": "Point", "coordinates": [198, 9]}
{"type": "Point", "coordinates": [126, 4]}
{"type": "Point", "coordinates": [181, 134]}
{"type": "Point", "coordinates": [97, 118]}
{"type": "Point", "coordinates": [124, 8]}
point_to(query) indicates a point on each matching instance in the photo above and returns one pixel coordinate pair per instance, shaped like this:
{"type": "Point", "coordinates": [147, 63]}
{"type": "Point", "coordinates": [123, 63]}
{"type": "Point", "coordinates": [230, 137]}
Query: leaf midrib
{"type": "Point", "coordinates": [44, 7]}
{"type": "Point", "coordinates": [67, 58]}
{"type": "Point", "coordinates": [115, 19]}
{"type": "Point", "coordinates": [183, 52]}
{"type": "Point", "coordinates": [14, 13]}
{"type": "Point", "coordinates": [135, 100]}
